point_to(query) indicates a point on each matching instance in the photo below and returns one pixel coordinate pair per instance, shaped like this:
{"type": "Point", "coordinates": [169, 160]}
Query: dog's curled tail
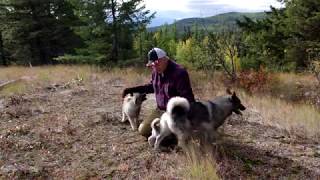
{"type": "Point", "coordinates": [178, 107]}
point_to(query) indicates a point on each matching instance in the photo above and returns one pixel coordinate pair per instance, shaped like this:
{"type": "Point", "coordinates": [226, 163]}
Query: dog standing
{"type": "Point", "coordinates": [183, 119]}
{"type": "Point", "coordinates": [131, 108]}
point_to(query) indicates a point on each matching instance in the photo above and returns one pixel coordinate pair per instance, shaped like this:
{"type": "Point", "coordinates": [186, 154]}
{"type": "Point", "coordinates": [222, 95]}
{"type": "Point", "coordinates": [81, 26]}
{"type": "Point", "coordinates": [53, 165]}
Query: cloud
{"type": "Point", "coordinates": [169, 10]}
{"type": "Point", "coordinates": [250, 5]}
{"type": "Point", "coordinates": [167, 5]}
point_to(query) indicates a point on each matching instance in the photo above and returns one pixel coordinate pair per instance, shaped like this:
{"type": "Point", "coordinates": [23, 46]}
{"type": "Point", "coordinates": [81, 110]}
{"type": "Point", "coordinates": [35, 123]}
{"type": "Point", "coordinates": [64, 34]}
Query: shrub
{"type": "Point", "coordinates": [253, 81]}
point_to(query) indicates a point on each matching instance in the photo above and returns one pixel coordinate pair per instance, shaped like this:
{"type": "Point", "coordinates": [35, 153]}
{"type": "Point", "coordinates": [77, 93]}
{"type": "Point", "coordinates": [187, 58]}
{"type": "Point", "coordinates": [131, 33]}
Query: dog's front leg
{"type": "Point", "coordinates": [182, 140]}
{"type": "Point", "coordinates": [159, 138]}
{"type": "Point", "coordinates": [152, 139]}
{"type": "Point", "coordinates": [123, 117]}
{"type": "Point", "coordinates": [132, 123]}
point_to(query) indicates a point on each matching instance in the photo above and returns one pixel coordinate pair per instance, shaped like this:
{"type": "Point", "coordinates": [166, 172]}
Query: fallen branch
{"type": "Point", "coordinates": [7, 83]}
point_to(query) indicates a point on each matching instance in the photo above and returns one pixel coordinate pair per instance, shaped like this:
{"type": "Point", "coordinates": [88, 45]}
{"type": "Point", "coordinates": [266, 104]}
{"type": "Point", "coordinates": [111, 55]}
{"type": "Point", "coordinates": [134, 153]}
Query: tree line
{"type": "Point", "coordinates": [114, 32]}
{"type": "Point", "coordinates": [89, 31]}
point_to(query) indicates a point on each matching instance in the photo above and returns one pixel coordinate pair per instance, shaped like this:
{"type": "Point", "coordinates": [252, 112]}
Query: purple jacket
{"type": "Point", "coordinates": [174, 81]}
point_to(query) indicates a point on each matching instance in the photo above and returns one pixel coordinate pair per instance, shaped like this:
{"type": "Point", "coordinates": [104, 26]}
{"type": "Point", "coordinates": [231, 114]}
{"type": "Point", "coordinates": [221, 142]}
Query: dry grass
{"type": "Point", "coordinates": [300, 119]}
{"type": "Point", "coordinates": [292, 78]}
{"type": "Point", "coordinates": [296, 118]}
{"type": "Point", "coordinates": [200, 164]}
{"type": "Point", "coordinates": [14, 88]}
{"type": "Point", "coordinates": [34, 77]}
{"type": "Point", "coordinates": [131, 76]}
{"type": "Point", "coordinates": [206, 86]}
{"type": "Point", "coordinates": [291, 86]}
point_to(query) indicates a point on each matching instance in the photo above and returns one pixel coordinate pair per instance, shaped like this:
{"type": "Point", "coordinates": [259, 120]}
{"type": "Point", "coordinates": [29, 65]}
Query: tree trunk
{"type": "Point", "coordinates": [2, 56]}
{"type": "Point", "coordinates": [42, 52]}
{"type": "Point", "coordinates": [114, 52]}
{"type": "Point", "coordinates": [39, 45]}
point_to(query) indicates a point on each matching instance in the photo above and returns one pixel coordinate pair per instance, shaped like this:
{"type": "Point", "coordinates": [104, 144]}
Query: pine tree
{"type": "Point", "coordinates": [40, 30]}
{"type": "Point", "coordinates": [111, 26]}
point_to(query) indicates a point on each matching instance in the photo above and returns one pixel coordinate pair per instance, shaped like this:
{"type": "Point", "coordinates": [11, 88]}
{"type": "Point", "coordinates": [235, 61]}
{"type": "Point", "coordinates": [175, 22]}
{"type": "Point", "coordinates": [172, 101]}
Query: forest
{"type": "Point", "coordinates": [115, 33]}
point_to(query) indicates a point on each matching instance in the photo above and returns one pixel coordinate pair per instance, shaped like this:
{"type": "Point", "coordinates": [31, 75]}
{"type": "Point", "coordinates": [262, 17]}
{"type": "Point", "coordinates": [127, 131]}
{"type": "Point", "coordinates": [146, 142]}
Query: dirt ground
{"type": "Point", "coordinates": [74, 132]}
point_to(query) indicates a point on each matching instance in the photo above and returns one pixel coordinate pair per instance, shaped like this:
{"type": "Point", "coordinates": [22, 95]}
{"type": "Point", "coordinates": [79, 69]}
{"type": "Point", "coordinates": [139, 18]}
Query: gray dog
{"type": "Point", "coordinates": [131, 108]}
{"type": "Point", "coordinates": [202, 117]}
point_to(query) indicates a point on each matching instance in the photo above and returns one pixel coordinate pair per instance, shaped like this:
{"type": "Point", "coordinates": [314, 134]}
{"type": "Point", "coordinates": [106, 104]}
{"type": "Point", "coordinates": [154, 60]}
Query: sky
{"type": "Point", "coordinates": [169, 10]}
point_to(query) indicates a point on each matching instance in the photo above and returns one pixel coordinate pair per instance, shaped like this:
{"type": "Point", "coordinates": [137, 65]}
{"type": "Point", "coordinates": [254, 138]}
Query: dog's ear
{"type": "Point", "coordinates": [234, 94]}
{"type": "Point", "coordinates": [228, 91]}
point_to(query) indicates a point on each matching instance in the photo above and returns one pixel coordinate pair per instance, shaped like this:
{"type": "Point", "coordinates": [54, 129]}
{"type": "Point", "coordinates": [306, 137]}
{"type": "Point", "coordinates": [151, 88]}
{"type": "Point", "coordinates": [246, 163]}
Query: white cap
{"type": "Point", "coordinates": [155, 54]}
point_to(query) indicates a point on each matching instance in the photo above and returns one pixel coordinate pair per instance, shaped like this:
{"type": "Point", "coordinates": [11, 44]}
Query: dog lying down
{"type": "Point", "coordinates": [184, 119]}
{"type": "Point", "coordinates": [131, 108]}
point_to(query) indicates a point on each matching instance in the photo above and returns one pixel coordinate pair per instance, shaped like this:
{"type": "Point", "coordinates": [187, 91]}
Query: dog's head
{"type": "Point", "coordinates": [139, 98]}
{"type": "Point", "coordinates": [237, 106]}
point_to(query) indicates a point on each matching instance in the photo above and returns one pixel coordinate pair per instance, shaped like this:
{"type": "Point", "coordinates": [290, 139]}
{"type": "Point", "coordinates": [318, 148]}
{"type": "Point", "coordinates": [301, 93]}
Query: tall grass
{"type": "Point", "coordinates": [300, 119]}
{"type": "Point", "coordinates": [200, 164]}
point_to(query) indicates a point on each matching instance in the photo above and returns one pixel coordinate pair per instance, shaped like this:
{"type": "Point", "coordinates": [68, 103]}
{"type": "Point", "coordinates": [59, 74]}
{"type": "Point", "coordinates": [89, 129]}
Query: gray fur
{"type": "Point", "coordinates": [203, 117]}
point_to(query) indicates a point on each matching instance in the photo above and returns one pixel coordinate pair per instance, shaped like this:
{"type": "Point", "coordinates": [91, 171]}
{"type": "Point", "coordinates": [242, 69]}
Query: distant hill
{"type": "Point", "coordinates": [214, 23]}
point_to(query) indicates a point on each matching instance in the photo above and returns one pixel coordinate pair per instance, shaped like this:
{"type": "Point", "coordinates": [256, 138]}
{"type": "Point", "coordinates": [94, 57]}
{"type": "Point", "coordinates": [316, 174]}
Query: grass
{"type": "Point", "coordinates": [200, 164]}
{"type": "Point", "coordinates": [301, 119]}
{"type": "Point", "coordinates": [296, 118]}
{"type": "Point", "coordinates": [15, 88]}
{"type": "Point", "coordinates": [41, 77]}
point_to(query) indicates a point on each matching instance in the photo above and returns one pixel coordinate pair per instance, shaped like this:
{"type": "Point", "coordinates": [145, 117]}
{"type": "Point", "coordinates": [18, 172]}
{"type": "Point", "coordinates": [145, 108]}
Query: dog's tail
{"type": "Point", "coordinates": [178, 108]}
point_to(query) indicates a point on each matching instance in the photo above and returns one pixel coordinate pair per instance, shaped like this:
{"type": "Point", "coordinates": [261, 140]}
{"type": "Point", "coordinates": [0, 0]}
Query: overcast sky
{"type": "Point", "coordinates": [169, 10]}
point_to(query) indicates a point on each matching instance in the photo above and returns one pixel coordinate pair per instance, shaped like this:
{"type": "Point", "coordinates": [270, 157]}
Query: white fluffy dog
{"type": "Point", "coordinates": [177, 109]}
{"type": "Point", "coordinates": [131, 108]}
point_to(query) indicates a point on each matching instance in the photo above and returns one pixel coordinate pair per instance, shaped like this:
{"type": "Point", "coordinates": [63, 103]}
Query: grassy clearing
{"type": "Point", "coordinates": [296, 118]}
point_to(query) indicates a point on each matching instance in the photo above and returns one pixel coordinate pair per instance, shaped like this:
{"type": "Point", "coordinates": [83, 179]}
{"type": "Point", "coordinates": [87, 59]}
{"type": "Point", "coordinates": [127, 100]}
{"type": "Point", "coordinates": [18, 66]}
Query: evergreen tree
{"type": "Point", "coordinates": [110, 29]}
{"type": "Point", "coordinates": [304, 25]}
{"type": "Point", "coordinates": [39, 30]}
